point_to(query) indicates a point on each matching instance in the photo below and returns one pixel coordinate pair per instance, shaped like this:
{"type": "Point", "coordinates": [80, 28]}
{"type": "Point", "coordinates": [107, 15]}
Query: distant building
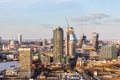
{"type": "Point", "coordinates": [44, 42]}
{"type": "Point", "coordinates": [118, 58]}
{"type": "Point", "coordinates": [25, 62]}
{"type": "Point", "coordinates": [5, 47]}
{"type": "Point", "coordinates": [19, 38]}
{"type": "Point", "coordinates": [81, 41]}
{"type": "Point", "coordinates": [108, 52]}
{"type": "Point", "coordinates": [91, 55]}
{"type": "Point", "coordinates": [94, 40]}
{"type": "Point", "coordinates": [13, 73]}
{"type": "Point", "coordinates": [12, 44]}
{"type": "Point", "coordinates": [70, 42]}
{"type": "Point", "coordinates": [58, 44]}
{"type": "Point", "coordinates": [80, 62]}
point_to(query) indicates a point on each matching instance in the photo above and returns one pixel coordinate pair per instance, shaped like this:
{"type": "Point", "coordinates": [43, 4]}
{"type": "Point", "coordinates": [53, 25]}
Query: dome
{"type": "Point", "coordinates": [12, 42]}
{"type": "Point", "coordinates": [72, 37]}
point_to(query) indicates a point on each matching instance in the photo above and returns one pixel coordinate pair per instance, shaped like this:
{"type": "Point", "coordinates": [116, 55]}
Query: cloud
{"type": "Point", "coordinates": [47, 25]}
{"type": "Point", "coordinates": [97, 23]}
{"type": "Point", "coordinates": [99, 16]}
{"type": "Point", "coordinates": [112, 20]}
{"type": "Point", "coordinates": [91, 17]}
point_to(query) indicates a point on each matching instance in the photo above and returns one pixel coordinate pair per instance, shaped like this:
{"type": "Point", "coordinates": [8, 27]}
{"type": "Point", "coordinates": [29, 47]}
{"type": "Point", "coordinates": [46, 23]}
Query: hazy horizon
{"type": "Point", "coordinates": [35, 19]}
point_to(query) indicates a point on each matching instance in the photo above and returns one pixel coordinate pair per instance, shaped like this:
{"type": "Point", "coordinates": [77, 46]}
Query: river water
{"type": "Point", "coordinates": [9, 65]}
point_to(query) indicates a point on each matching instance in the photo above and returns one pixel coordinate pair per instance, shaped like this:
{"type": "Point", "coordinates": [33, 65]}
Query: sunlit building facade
{"type": "Point", "coordinates": [70, 42]}
{"type": "Point", "coordinates": [25, 62]}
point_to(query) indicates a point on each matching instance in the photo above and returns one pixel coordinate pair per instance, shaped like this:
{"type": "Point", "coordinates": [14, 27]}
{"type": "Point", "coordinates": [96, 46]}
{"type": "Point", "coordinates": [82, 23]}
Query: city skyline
{"type": "Point", "coordinates": [33, 18]}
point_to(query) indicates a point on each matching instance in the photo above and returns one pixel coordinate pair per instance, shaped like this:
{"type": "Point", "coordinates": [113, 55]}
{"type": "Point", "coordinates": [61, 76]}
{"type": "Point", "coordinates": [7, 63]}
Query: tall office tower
{"type": "Point", "coordinates": [70, 42]}
{"type": "Point", "coordinates": [19, 38]}
{"type": "Point", "coordinates": [25, 62]}
{"type": "Point", "coordinates": [58, 44]}
{"type": "Point", "coordinates": [108, 52]}
{"type": "Point", "coordinates": [82, 40]}
{"type": "Point", "coordinates": [94, 40]}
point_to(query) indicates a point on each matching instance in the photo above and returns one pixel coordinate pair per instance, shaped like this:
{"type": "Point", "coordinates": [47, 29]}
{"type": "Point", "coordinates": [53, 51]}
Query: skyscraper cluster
{"type": "Point", "coordinates": [58, 42]}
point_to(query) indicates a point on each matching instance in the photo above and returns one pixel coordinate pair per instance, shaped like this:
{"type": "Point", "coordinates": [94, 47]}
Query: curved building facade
{"type": "Point", "coordinates": [70, 42]}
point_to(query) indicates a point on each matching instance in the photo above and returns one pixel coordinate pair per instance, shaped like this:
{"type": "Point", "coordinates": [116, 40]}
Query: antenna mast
{"type": "Point", "coordinates": [67, 21]}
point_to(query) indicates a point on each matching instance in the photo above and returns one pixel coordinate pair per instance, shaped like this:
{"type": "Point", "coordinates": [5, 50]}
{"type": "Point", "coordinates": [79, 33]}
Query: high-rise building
{"type": "Point", "coordinates": [70, 42]}
{"type": "Point", "coordinates": [25, 62]}
{"type": "Point", "coordinates": [82, 40]}
{"type": "Point", "coordinates": [44, 42]}
{"type": "Point", "coordinates": [58, 44]}
{"type": "Point", "coordinates": [19, 38]}
{"type": "Point", "coordinates": [94, 40]}
{"type": "Point", "coordinates": [108, 52]}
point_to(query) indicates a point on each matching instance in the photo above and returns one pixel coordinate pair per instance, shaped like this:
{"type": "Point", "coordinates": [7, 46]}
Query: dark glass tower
{"type": "Point", "coordinates": [58, 44]}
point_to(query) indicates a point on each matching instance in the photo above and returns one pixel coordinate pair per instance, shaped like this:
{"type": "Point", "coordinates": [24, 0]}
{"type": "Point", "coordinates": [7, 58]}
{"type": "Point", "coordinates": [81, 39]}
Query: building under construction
{"type": "Point", "coordinates": [70, 42]}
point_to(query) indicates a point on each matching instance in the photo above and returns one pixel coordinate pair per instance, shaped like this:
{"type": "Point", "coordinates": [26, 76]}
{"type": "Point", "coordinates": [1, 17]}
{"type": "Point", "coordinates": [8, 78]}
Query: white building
{"type": "Point", "coordinates": [19, 38]}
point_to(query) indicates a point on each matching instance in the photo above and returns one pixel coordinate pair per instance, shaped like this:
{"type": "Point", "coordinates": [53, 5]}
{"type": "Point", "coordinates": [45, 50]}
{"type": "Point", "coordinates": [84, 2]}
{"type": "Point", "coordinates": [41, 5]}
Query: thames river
{"type": "Point", "coordinates": [9, 65]}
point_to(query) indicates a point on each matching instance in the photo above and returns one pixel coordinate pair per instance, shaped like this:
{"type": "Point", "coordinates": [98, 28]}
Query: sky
{"type": "Point", "coordinates": [35, 19]}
